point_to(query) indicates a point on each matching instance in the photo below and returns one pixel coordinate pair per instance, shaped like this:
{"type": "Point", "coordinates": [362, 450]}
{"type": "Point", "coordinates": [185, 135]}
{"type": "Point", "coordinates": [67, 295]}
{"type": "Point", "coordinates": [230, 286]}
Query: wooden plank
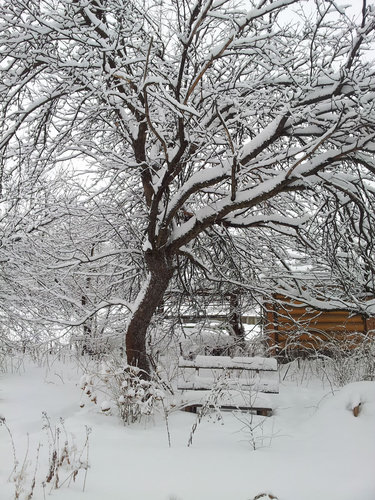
{"type": "Point", "coordinates": [322, 336]}
{"type": "Point", "coordinates": [265, 412]}
{"type": "Point", "coordinates": [250, 320]}
{"type": "Point", "coordinates": [321, 328]}
{"type": "Point", "coordinates": [320, 316]}
{"type": "Point", "coordinates": [326, 318]}
{"type": "Point", "coordinates": [229, 368]}
{"type": "Point", "coordinates": [206, 384]}
{"type": "Point", "coordinates": [370, 324]}
{"type": "Point", "coordinates": [194, 318]}
{"type": "Point", "coordinates": [313, 344]}
{"type": "Point", "coordinates": [251, 364]}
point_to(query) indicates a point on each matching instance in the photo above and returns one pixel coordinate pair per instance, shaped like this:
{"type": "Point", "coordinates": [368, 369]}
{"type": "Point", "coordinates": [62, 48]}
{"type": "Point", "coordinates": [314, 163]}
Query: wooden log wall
{"type": "Point", "coordinates": [293, 326]}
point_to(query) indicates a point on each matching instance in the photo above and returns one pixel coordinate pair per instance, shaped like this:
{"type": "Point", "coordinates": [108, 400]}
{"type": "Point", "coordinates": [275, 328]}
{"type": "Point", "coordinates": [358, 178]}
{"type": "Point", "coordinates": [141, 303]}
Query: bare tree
{"type": "Point", "coordinates": [76, 266]}
{"type": "Point", "coordinates": [208, 114]}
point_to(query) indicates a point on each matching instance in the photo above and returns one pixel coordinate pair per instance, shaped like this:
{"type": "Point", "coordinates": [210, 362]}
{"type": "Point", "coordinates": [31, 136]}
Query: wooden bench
{"type": "Point", "coordinates": [244, 381]}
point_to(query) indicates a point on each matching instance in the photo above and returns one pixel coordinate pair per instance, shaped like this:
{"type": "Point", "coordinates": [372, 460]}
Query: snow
{"type": "Point", "coordinates": [313, 447]}
{"type": "Point", "coordinates": [257, 362]}
{"type": "Point", "coordinates": [262, 138]}
{"type": "Point", "coordinates": [253, 363]}
{"type": "Point", "coordinates": [238, 373]}
{"type": "Point", "coordinates": [213, 361]}
{"type": "Point", "coordinates": [257, 386]}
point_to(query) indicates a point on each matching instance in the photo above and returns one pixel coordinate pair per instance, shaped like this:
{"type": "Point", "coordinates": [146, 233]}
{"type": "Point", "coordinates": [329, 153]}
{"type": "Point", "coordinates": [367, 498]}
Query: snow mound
{"type": "Point", "coordinates": [349, 397]}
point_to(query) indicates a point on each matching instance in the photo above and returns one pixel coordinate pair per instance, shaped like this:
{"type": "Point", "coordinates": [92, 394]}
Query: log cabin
{"type": "Point", "coordinates": [293, 329]}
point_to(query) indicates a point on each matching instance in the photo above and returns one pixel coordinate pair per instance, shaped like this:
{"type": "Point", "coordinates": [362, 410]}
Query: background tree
{"type": "Point", "coordinates": [207, 114]}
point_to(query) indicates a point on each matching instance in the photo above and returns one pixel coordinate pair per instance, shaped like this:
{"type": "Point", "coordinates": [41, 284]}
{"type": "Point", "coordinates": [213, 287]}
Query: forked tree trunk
{"type": "Point", "coordinates": [149, 299]}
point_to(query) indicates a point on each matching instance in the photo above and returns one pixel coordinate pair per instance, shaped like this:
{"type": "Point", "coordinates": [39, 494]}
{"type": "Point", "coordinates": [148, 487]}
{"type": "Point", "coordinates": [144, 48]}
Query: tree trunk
{"type": "Point", "coordinates": [88, 345]}
{"type": "Point", "coordinates": [235, 321]}
{"type": "Point", "coordinates": [149, 299]}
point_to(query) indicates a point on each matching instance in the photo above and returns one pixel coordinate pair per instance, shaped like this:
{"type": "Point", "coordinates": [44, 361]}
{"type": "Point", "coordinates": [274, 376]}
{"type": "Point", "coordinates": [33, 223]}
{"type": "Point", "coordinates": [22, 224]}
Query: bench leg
{"type": "Point", "coordinates": [191, 408]}
{"type": "Point", "coordinates": [264, 412]}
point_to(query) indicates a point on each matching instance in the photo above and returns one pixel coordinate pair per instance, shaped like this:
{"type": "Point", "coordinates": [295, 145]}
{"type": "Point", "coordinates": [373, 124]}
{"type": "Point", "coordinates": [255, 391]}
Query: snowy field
{"type": "Point", "coordinates": [312, 448]}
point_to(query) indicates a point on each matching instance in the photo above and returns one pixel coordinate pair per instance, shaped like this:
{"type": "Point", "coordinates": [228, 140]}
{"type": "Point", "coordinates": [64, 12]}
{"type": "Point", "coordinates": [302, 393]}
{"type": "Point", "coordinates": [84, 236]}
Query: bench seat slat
{"type": "Point", "coordinates": [265, 412]}
{"type": "Point", "coordinates": [225, 362]}
{"type": "Point", "coordinates": [205, 384]}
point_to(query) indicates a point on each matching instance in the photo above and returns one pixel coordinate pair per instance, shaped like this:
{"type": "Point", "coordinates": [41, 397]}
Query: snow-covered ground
{"type": "Point", "coordinates": [312, 448]}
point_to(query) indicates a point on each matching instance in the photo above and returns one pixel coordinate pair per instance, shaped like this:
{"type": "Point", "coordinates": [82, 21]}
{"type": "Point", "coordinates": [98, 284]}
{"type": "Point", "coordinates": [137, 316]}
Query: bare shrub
{"type": "Point", "coordinates": [124, 388]}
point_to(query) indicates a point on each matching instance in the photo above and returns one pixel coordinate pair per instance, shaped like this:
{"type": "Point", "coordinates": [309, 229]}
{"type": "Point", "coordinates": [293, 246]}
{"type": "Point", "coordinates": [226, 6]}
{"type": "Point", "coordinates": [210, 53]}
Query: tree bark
{"type": "Point", "coordinates": [88, 333]}
{"type": "Point", "coordinates": [161, 269]}
{"type": "Point", "coordinates": [235, 321]}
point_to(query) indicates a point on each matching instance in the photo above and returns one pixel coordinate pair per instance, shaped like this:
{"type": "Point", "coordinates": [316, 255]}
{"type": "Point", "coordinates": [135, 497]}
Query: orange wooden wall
{"type": "Point", "coordinates": [292, 325]}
